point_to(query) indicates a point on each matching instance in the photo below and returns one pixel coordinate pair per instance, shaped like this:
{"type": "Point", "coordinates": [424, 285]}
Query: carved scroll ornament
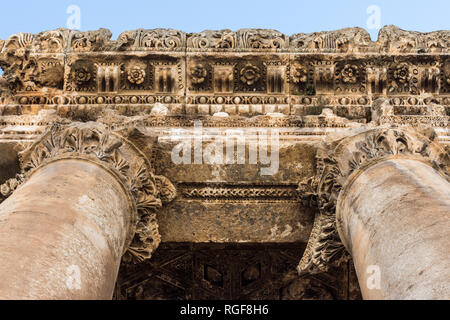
{"type": "Point", "coordinates": [335, 163]}
{"type": "Point", "coordinates": [94, 142]}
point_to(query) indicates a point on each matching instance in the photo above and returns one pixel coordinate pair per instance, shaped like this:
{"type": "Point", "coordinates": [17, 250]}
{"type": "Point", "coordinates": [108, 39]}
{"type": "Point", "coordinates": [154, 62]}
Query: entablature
{"type": "Point", "coordinates": [248, 72]}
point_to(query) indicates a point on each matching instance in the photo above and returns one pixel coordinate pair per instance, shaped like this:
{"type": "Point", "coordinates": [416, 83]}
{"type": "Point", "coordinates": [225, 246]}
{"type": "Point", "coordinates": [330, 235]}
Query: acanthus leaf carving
{"type": "Point", "coordinates": [90, 41]}
{"type": "Point", "coordinates": [152, 40]}
{"type": "Point", "coordinates": [95, 142]}
{"type": "Point", "coordinates": [212, 40]}
{"type": "Point", "coordinates": [262, 39]}
{"type": "Point", "coordinates": [335, 162]}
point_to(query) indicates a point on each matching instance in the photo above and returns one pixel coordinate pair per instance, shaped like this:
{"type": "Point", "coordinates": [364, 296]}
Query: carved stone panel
{"type": "Point", "coordinates": [229, 271]}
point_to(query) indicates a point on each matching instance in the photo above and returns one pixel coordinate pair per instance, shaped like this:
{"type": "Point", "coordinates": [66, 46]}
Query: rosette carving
{"type": "Point", "coordinates": [198, 73]}
{"type": "Point", "coordinates": [401, 73]}
{"type": "Point", "coordinates": [335, 162]}
{"type": "Point", "coordinates": [94, 142]}
{"type": "Point", "coordinates": [250, 74]}
{"type": "Point", "coordinates": [299, 74]}
{"type": "Point", "coordinates": [82, 75]}
{"type": "Point", "coordinates": [350, 73]}
{"type": "Point", "coordinates": [136, 75]}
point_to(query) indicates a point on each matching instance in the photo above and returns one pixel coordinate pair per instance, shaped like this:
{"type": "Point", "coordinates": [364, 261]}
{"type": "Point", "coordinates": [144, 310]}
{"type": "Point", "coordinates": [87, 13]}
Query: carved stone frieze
{"type": "Point", "coordinates": [342, 67]}
{"type": "Point", "coordinates": [343, 41]}
{"type": "Point", "coordinates": [95, 142]}
{"type": "Point", "coordinates": [349, 40]}
{"type": "Point", "coordinates": [339, 102]}
{"type": "Point", "coordinates": [335, 162]}
{"type": "Point", "coordinates": [152, 40]}
{"type": "Point", "coordinates": [212, 40]}
{"type": "Point", "coordinates": [392, 38]}
{"type": "Point", "coordinates": [207, 192]}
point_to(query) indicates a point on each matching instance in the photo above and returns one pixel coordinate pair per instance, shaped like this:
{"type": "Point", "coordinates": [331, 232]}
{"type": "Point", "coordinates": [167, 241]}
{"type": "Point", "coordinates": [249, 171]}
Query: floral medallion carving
{"type": "Point", "coordinates": [404, 78]}
{"type": "Point", "coordinates": [198, 74]}
{"type": "Point", "coordinates": [82, 75]}
{"type": "Point", "coordinates": [262, 39]}
{"type": "Point", "coordinates": [299, 74]}
{"type": "Point", "coordinates": [350, 73]}
{"type": "Point", "coordinates": [152, 40]}
{"type": "Point", "coordinates": [250, 74]}
{"type": "Point", "coordinates": [136, 75]}
{"type": "Point", "coordinates": [401, 74]}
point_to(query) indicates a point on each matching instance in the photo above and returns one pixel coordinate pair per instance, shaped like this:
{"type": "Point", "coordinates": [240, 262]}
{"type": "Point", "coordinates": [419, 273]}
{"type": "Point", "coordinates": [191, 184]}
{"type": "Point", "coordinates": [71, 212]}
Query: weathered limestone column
{"type": "Point", "coordinates": [394, 219]}
{"type": "Point", "coordinates": [62, 233]}
{"type": "Point", "coordinates": [385, 195]}
{"type": "Point", "coordinates": [84, 199]}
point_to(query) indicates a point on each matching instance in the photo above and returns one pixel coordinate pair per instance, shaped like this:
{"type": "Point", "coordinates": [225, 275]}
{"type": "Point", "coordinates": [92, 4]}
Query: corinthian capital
{"type": "Point", "coordinates": [94, 142]}
{"type": "Point", "coordinates": [338, 163]}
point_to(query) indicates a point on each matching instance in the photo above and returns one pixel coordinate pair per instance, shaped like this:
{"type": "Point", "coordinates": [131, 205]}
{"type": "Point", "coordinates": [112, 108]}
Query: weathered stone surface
{"type": "Point", "coordinates": [336, 162]}
{"type": "Point", "coordinates": [62, 233]}
{"type": "Point", "coordinates": [181, 271]}
{"type": "Point", "coordinates": [9, 163]}
{"type": "Point", "coordinates": [235, 221]}
{"type": "Point", "coordinates": [394, 219]}
{"type": "Point", "coordinates": [247, 72]}
{"type": "Point", "coordinates": [336, 101]}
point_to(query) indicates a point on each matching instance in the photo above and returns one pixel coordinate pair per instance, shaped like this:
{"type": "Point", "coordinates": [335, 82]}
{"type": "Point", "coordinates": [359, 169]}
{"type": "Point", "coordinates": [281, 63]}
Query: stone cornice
{"type": "Point", "coordinates": [337, 163]}
{"type": "Point", "coordinates": [349, 40]}
{"type": "Point", "coordinates": [96, 143]}
{"type": "Point", "coordinates": [262, 72]}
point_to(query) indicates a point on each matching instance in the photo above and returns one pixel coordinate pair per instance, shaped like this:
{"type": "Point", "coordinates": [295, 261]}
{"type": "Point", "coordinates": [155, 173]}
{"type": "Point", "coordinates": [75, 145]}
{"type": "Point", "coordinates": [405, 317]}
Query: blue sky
{"type": "Point", "coordinates": [287, 16]}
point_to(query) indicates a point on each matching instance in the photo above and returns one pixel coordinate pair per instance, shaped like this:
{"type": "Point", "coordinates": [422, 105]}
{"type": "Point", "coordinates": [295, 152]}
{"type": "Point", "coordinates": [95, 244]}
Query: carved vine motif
{"type": "Point", "coordinates": [25, 60]}
{"type": "Point", "coordinates": [335, 163]}
{"type": "Point", "coordinates": [349, 40]}
{"type": "Point", "coordinates": [349, 73]}
{"type": "Point", "coordinates": [15, 60]}
{"type": "Point", "coordinates": [262, 39]}
{"type": "Point", "coordinates": [52, 41]}
{"type": "Point", "coordinates": [224, 39]}
{"type": "Point", "coordinates": [99, 144]}
{"type": "Point", "coordinates": [156, 39]}
{"type": "Point", "coordinates": [90, 41]}
{"type": "Point", "coordinates": [344, 40]}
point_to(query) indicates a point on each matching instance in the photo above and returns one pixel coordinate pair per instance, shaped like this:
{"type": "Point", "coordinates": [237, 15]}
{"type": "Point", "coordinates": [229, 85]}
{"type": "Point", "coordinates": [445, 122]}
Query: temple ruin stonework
{"type": "Point", "coordinates": [336, 186]}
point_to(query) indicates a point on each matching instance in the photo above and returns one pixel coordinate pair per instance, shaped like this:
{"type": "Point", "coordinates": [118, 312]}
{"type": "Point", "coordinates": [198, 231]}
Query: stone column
{"type": "Point", "coordinates": [85, 198]}
{"type": "Point", "coordinates": [63, 232]}
{"type": "Point", "coordinates": [394, 219]}
{"type": "Point", "coordinates": [384, 195]}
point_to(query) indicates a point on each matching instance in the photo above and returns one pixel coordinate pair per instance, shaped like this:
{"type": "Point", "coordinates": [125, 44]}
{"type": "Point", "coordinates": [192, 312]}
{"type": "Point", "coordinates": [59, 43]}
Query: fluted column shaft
{"type": "Point", "coordinates": [394, 218]}
{"type": "Point", "coordinates": [63, 232]}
